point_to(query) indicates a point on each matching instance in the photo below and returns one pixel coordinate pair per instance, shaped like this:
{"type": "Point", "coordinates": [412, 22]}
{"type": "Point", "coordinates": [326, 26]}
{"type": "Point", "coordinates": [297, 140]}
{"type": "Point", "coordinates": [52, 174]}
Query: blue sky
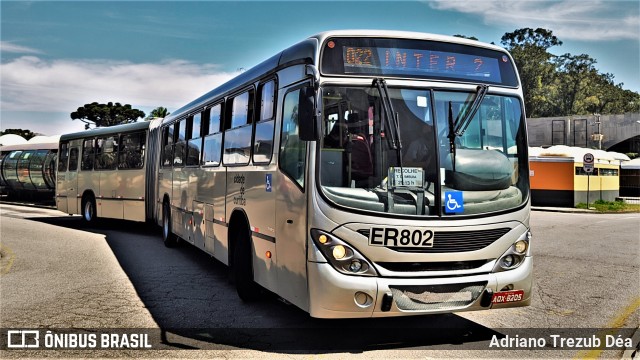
{"type": "Point", "coordinates": [57, 56]}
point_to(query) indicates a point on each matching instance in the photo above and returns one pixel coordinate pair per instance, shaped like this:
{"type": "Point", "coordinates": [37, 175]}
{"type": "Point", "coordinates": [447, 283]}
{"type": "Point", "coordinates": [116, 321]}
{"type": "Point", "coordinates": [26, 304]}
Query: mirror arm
{"type": "Point", "coordinates": [314, 74]}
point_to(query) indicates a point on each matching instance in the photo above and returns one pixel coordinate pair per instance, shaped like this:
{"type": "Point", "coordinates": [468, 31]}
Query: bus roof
{"type": "Point", "coordinates": [140, 125]}
{"type": "Point", "coordinates": [308, 52]}
{"type": "Point", "coordinates": [302, 52]}
{"type": "Point", "coordinates": [393, 34]}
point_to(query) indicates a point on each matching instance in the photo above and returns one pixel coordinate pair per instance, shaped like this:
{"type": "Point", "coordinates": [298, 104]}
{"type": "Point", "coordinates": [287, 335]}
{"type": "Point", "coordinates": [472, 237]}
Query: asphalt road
{"type": "Point", "coordinates": [57, 272]}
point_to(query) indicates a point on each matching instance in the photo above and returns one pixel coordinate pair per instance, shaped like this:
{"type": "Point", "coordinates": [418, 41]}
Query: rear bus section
{"type": "Point", "coordinates": [102, 172]}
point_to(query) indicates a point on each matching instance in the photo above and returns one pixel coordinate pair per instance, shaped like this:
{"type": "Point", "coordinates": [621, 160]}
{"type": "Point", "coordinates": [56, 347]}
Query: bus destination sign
{"type": "Point", "coordinates": [415, 62]}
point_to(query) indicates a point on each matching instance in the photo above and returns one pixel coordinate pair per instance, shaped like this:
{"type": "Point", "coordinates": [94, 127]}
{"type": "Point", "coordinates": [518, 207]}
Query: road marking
{"type": "Point", "coordinates": [616, 323]}
{"type": "Point", "coordinates": [8, 253]}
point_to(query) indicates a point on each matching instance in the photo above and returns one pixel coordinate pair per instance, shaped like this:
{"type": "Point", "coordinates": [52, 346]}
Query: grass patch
{"type": "Point", "coordinates": [611, 206]}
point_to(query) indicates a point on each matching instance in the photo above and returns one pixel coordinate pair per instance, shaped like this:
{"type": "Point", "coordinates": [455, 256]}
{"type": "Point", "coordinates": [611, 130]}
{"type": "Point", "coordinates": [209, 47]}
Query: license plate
{"type": "Point", "coordinates": [507, 296]}
{"type": "Point", "coordinates": [401, 237]}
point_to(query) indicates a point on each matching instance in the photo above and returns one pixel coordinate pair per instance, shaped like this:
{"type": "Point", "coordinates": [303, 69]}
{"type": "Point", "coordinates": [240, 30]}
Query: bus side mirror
{"type": "Point", "coordinates": [307, 117]}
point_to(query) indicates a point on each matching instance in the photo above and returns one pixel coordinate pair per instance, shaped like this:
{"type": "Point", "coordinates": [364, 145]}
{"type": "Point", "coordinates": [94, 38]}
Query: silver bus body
{"type": "Point", "coordinates": [333, 244]}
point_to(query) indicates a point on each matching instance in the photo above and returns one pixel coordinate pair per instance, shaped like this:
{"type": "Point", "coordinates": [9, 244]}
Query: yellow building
{"type": "Point", "coordinates": [558, 178]}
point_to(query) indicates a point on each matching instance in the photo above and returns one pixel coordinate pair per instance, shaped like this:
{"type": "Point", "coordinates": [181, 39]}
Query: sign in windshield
{"type": "Point", "coordinates": [406, 177]}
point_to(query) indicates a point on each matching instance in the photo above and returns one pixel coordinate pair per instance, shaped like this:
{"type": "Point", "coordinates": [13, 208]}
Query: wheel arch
{"type": "Point", "coordinates": [238, 225]}
{"type": "Point", "coordinates": [88, 193]}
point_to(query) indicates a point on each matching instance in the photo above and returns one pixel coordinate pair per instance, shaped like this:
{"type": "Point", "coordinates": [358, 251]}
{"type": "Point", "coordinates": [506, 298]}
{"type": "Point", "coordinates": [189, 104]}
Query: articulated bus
{"type": "Point", "coordinates": [354, 174]}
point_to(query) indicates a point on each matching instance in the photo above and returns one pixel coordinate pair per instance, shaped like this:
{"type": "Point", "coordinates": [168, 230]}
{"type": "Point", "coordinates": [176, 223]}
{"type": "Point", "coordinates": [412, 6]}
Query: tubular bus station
{"type": "Point", "coordinates": [28, 170]}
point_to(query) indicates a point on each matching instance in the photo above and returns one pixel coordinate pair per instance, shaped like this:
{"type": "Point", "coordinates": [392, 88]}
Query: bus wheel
{"type": "Point", "coordinates": [168, 237]}
{"type": "Point", "coordinates": [88, 209]}
{"type": "Point", "coordinates": [248, 290]}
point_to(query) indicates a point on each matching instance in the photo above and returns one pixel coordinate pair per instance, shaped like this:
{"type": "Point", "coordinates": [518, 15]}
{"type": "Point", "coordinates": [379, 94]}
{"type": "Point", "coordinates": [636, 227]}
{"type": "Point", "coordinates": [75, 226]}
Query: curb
{"type": "Point", "coordinates": [32, 205]}
{"type": "Point", "coordinates": [578, 211]}
{"type": "Point", "coordinates": [564, 210]}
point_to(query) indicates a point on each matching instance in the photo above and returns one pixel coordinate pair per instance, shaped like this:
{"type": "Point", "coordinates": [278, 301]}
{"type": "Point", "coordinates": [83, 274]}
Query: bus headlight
{"type": "Point", "coordinates": [339, 252]}
{"type": "Point", "coordinates": [341, 255]}
{"type": "Point", "coordinates": [355, 266]}
{"type": "Point", "coordinates": [514, 256]}
{"type": "Point", "coordinates": [520, 247]}
{"type": "Point", "coordinates": [508, 261]}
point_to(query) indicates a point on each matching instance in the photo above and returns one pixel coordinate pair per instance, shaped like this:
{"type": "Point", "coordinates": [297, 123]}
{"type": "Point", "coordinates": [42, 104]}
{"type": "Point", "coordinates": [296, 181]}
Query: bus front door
{"type": "Point", "coordinates": [70, 183]}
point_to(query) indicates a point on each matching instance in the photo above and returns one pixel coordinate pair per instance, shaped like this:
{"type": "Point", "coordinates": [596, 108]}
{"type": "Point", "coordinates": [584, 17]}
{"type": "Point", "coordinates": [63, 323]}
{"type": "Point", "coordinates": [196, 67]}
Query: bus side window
{"type": "Point", "coordinates": [167, 146]}
{"type": "Point", "coordinates": [88, 152]}
{"type": "Point", "coordinates": [63, 157]}
{"type": "Point", "coordinates": [194, 145]}
{"type": "Point", "coordinates": [131, 154]}
{"type": "Point", "coordinates": [293, 151]}
{"type": "Point", "coordinates": [73, 159]}
{"type": "Point", "coordinates": [106, 153]}
{"type": "Point", "coordinates": [213, 137]}
{"type": "Point", "coordinates": [181, 144]}
{"type": "Point", "coordinates": [263, 139]}
{"type": "Point", "coordinates": [237, 139]}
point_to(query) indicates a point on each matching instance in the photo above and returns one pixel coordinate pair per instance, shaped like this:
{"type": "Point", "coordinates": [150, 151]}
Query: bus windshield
{"type": "Point", "coordinates": [425, 159]}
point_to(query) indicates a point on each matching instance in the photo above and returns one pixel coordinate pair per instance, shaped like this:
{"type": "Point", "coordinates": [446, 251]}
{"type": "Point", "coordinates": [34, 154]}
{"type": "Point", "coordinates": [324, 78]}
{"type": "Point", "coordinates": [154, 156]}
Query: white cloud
{"type": "Point", "coordinates": [568, 19]}
{"type": "Point", "coordinates": [6, 46]}
{"type": "Point", "coordinates": [30, 83]}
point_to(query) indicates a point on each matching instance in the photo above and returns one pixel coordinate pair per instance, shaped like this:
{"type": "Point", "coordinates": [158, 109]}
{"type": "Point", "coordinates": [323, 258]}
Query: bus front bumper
{"type": "Point", "coordinates": [335, 295]}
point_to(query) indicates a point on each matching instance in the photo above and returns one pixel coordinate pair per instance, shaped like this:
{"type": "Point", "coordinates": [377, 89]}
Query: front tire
{"type": "Point", "coordinates": [168, 237]}
{"type": "Point", "coordinates": [248, 290]}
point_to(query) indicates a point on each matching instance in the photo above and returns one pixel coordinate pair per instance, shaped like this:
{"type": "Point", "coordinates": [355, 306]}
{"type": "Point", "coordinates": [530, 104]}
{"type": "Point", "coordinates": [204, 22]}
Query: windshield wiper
{"type": "Point", "coordinates": [390, 118]}
{"type": "Point", "coordinates": [460, 125]}
{"type": "Point", "coordinates": [452, 135]}
{"type": "Point", "coordinates": [464, 118]}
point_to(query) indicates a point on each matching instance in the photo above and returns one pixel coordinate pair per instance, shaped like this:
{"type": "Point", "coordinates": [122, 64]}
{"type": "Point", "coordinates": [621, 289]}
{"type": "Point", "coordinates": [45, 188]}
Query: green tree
{"type": "Point", "coordinates": [27, 134]}
{"type": "Point", "coordinates": [159, 112]}
{"type": "Point", "coordinates": [563, 85]}
{"type": "Point", "coordinates": [604, 96]}
{"type": "Point", "coordinates": [108, 114]}
{"type": "Point", "coordinates": [575, 76]}
{"type": "Point", "coordinates": [529, 49]}
{"type": "Point", "coordinates": [583, 90]}
{"type": "Point", "coordinates": [602, 92]}
{"type": "Point", "coordinates": [625, 101]}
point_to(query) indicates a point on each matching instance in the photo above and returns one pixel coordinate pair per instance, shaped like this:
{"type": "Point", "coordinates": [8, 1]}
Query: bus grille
{"type": "Point", "coordinates": [436, 297]}
{"type": "Point", "coordinates": [432, 266]}
{"type": "Point", "coordinates": [455, 241]}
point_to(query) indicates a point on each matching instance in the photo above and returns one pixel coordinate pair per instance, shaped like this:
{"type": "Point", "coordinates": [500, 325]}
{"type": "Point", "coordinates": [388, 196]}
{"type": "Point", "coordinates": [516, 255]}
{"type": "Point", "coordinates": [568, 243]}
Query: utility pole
{"type": "Point", "coordinates": [598, 135]}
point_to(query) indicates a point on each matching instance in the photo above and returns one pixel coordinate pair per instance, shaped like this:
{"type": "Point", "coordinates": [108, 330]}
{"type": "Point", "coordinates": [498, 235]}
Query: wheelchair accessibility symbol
{"type": "Point", "coordinates": [453, 202]}
{"type": "Point", "coordinates": [267, 185]}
